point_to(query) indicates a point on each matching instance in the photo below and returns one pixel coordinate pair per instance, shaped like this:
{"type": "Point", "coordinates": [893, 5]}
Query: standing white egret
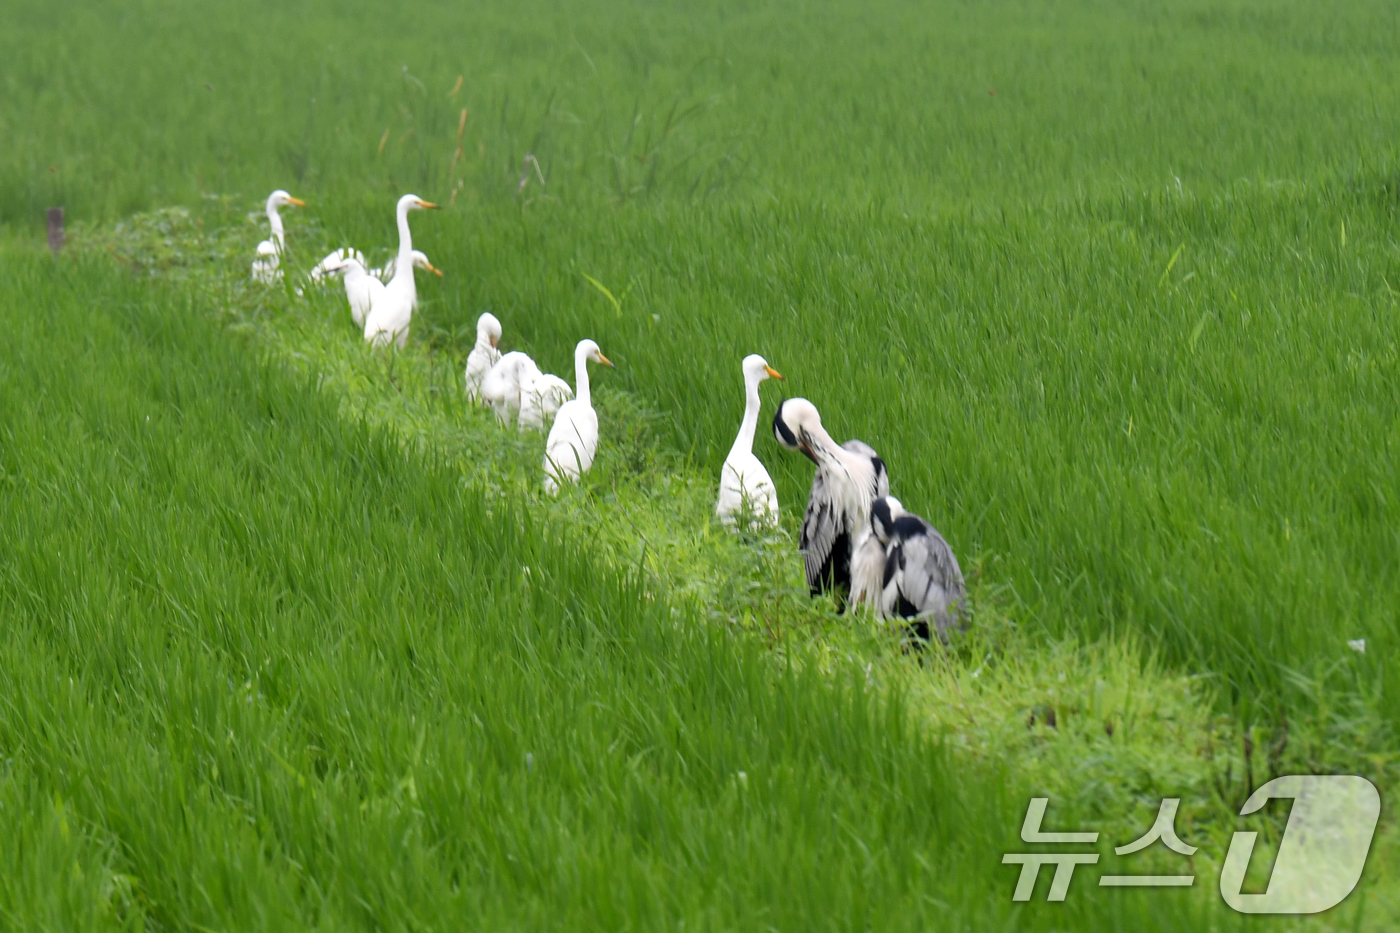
{"type": "Point", "coordinates": [269, 258]}
{"type": "Point", "coordinates": [540, 398]}
{"type": "Point", "coordinates": [573, 440]}
{"type": "Point", "coordinates": [503, 382]}
{"type": "Point", "coordinates": [484, 355]}
{"type": "Point", "coordinates": [849, 478]}
{"type": "Point", "coordinates": [921, 580]}
{"type": "Point", "coordinates": [389, 318]}
{"type": "Point", "coordinates": [743, 480]}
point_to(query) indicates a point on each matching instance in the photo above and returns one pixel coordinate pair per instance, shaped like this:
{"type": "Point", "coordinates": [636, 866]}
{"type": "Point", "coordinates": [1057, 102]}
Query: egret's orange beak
{"type": "Point", "coordinates": [774, 373]}
{"type": "Point", "coordinates": [296, 202]}
{"type": "Point", "coordinates": [434, 270]}
{"type": "Point", "coordinates": [604, 360]}
{"type": "Point", "coordinates": [493, 341]}
{"type": "Point", "coordinates": [427, 204]}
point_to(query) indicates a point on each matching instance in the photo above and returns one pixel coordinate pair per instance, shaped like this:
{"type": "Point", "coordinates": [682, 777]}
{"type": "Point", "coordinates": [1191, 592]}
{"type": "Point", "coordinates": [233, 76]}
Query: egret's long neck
{"type": "Point", "coordinates": [274, 220]}
{"type": "Point", "coordinates": [581, 377]}
{"type": "Point", "coordinates": [744, 442]}
{"type": "Point", "coordinates": [405, 261]}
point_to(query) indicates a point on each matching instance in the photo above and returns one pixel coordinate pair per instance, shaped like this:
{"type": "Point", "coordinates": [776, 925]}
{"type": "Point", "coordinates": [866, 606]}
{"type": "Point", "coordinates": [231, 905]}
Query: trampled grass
{"type": "Point", "coordinates": [1112, 288]}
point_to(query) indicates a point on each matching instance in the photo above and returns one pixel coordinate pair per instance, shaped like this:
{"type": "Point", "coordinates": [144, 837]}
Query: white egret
{"type": "Point", "coordinates": [390, 316]}
{"type": "Point", "coordinates": [269, 258]}
{"type": "Point", "coordinates": [331, 264]}
{"type": "Point", "coordinates": [362, 290]}
{"type": "Point", "coordinates": [573, 440]}
{"type": "Point", "coordinates": [921, 580]}
{"type": "Point", "coordinates": [540, 398]}
{"type": "Point", "coordinates": [503, 382]}
{"type": "Point", "coordinates": [743, 480]}
{"type": "Point", "coordinates": [484, 355]}
{"type": "Point", "coordinates": [849, 478]}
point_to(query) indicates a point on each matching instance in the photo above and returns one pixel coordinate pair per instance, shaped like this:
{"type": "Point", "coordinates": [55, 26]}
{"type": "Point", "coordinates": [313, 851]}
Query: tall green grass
{"type": "Point", "coordinates": [263, 669]}
{"type": "Point", "coordinates": [139, 104]}
{"type": "Point", "coordinates": [1113, 289]}
{"type": "Point", "coordinates": [1204, 454]}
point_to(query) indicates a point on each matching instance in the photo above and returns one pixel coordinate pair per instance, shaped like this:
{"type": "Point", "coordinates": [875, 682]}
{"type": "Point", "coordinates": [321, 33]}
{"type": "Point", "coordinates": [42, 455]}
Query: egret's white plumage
{"type": "Point", "coordinates": [540, 398]}
{"type": "Point", "coordinates": [573, 440]}
{"type": "Point", "coordinates": [744, 483]}
{"type": "Point", "coordinates": [921, 580]}
{"type": "Point", "coordinates": [484, 355]}
{"type": "Point", "coordinates": [503, 382]}
{"type": "Point", "coordinates": [849, 478]}
{"type": "Point", "coordinates": [362, 290]}
{"type": "Point", "coordinates": [266, 265]}
{"type": "Point", "coordinates": [390, 315]}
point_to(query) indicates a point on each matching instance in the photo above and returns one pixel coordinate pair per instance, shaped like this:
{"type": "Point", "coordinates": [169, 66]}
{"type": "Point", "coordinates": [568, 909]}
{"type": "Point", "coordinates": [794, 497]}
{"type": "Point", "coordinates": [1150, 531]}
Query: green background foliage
{"type": "Point", "coordinates": [1112, 288]}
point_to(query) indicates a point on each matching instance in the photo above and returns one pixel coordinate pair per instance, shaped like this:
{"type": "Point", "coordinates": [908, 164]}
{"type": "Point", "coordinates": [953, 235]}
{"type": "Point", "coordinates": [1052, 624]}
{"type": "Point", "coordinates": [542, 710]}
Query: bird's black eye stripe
{"type": "Point", "coordinates": [909, 526]}
{"type": "Point", "coordinates": [780, 430]}
{"type": "Point", "coordinates": [880, 514]}
{"type": "Point", "coordinates": [879, 467]}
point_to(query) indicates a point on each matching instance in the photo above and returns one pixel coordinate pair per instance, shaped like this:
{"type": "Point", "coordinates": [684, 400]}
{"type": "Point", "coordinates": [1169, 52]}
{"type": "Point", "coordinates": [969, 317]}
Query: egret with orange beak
{"type": "Point", "coordinates": [266, 265]}
{"type": "Point", "coordinates": [745, 487]}
{"type": "Point", "coordinates": [573, 440]}
{"type": "Point", "coordinates": [390, 316]}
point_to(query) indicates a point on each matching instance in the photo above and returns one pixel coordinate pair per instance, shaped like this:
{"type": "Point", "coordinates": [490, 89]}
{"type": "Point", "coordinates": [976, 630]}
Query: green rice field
{"type": "Point", "coordinates": [291, 638]}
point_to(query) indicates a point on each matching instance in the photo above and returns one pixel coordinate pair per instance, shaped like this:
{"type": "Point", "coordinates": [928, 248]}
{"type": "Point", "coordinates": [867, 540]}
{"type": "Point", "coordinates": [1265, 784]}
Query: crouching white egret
{"type": "Point", "coordinates": [540, 398]}
{"type": "Point", "coordinates": [503, 382]}
{"type": "Point", "coordinates": [484, 355]}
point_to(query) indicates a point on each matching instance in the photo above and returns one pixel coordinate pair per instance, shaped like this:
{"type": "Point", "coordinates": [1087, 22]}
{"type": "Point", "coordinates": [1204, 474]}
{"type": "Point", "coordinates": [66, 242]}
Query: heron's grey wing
{"type": "Point", "coordinates": [930, 580]}
{"type": "Point", "coordinates": [819, 533]}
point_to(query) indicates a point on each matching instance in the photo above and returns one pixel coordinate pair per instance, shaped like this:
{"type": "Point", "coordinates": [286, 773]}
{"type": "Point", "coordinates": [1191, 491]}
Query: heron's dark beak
{"type": "Point", "coordinates": [806, 448]}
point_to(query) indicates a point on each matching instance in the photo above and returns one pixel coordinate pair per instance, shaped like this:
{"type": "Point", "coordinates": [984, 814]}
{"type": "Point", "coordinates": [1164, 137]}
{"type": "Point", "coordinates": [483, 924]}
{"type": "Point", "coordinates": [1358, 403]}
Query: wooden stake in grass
{"type": "Point", "coordinates": [457, 153]}
{"type": "Point", "coordinates": [56, 237]}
